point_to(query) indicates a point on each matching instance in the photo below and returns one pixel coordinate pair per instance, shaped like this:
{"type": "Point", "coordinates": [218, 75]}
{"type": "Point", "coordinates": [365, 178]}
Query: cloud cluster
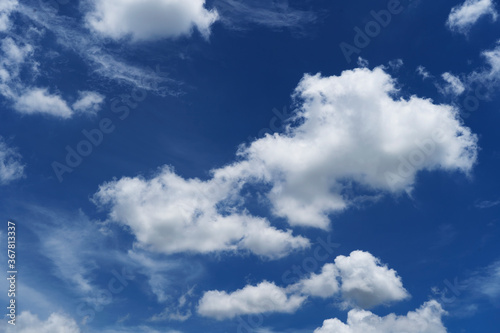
{"type": "Point", "coordinates": [366, 282]}
{"type": "Point", "coordinates": [151, 19]}
{"type": "Point", "coordinates": [30, 99]}
{"type": "Point", "coordinates": [10, 164]}
{"type": "Point", "coordinates": [170, 214]}
{"type": "Point", "coordinates": [464, 16]}
{"type": "Point", "coordinates": [347, 129]}
{"type": "Point", "coordinates": [262, 298]}
{"type": "Point", "coordinates": [426, 319]}
{"type": "Point", "coordinates": [362, 280]}
{"type": "Point", "coordinates": [352, 129]}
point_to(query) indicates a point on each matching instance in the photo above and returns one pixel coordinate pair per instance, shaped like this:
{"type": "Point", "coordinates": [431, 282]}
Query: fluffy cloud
{"type": "Point", "coordinates": [56, 323]}
{"type": "Point", "coordinates": [364, 282]}
{"type": "Point", "coordinates": [170, 214]}
{"type": "Point", "coordinates": [151, 19]}
{"type": "Point", "coordinates": [88, 102]}
{"type": "Point", "coordinates": [349, 128]}
{"type": "Point", "coordinates": [39, 100]}
{"type": "Point", "coordinates": [463, 16]}
{"type": "Point", "coordinates": [31, 100]}
{"type": "Point", "coordinates": [426, 319]}
{"type": "Point", "coordinates": [322, 285]}
{"type": "Point", "coordinates": [10, 164]}
{"type": "Point", "coordinates": [262, 298]}
{"type": "Point", "coordinates": [353, 129]}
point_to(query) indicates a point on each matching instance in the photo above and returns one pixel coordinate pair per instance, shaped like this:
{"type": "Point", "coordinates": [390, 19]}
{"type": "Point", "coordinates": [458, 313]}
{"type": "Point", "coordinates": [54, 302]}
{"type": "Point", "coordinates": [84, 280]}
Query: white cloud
{"type": "Point", "coordinates": [353, 129]}
{"type": "Point", "coordinates": [426, 319]}
{"type": "Point", "coordinates": [262, 298]}
{"type": "Point", "coordinates": [6, 7]}
{"type": "Point", "coordinates": [322, 285]}
{"type": "Point", "coordinates": [55, 323]}
{"type": "Point", "coordinates": [362, 280]}
{"type": "Point", "coordinates": [39, 100]}
{"type": "Point", "coordinates": [151, 19]}
{"type": "Point", "coordinates": [488, 78]}
{"type": "Point", "coordinates": [88, 102]}
{"type": "Point", "coordinates": [493, 60]}
{"type": "Point", "coordinates": [31, 100]}
{"type": "Point", "coordinates": [454, 85]}
{"type": "Point", "coordinates": [366, 283]}
{"type": "Point", "coordinates": [350, 128]}
{"type": "Point", "coordinates": [10, 164]}
{"type": "Point", "coordinates": [463, 17]}
{"type": "Point", "coordinates": [170, 214]}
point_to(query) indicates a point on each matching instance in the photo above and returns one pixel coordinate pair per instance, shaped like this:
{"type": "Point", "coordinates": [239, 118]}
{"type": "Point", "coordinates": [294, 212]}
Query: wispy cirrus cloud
{"type": "Point", "coordinates": [239, 15]}
{"type": "Point", "coordinates": [73, 37]}
{"type": "Point", "coordinates": [487, 204]}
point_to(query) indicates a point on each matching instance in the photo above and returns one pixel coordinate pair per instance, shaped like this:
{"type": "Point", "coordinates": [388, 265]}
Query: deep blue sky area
{"type": "Point", "coordinates": [198, 86]}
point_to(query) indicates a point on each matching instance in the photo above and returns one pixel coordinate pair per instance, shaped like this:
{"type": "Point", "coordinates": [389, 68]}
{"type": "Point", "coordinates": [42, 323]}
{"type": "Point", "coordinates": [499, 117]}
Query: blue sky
{"type": "Point", "coordinates": [251, 166]}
